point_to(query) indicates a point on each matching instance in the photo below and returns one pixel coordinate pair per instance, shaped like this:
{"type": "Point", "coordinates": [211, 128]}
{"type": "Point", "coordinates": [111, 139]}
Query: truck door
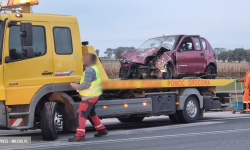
{"type": "Point", "coordinates": [190, 57]}
{"type": "Point", "coordinates": [67, 53]}
{"type": "Point", "coordinates": [24, 77]}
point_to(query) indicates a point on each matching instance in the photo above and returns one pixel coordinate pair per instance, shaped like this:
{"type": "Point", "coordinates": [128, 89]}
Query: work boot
{"type": "Point", "coordinates": [77, 139]}
{"type": "Point", "coordinates": [101, 133]}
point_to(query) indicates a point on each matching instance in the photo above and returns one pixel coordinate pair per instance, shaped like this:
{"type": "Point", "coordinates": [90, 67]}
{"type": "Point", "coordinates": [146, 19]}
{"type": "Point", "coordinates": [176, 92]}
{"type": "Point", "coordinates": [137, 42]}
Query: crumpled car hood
{"type": "Point", "coordinates": [139, 55]}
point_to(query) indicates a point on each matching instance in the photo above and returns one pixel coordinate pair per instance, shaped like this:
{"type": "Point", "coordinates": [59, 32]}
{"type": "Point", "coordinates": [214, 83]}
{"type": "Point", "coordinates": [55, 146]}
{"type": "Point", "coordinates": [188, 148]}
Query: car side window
{"type": "Point", "coordinates": [186, 44]}
{"type": "Point", "coordinates": [204, 43]}
{"type": "Point", "coordinates": [197, 43]}
{"type": "Point", "coordinates": [63, 40]}
{"type": "Point", "coordinates": [15, 47]}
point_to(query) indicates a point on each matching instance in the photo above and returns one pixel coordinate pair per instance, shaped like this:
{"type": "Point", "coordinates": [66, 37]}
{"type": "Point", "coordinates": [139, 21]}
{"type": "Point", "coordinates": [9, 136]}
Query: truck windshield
{"type": "Point", "coordinates": [167, 42]}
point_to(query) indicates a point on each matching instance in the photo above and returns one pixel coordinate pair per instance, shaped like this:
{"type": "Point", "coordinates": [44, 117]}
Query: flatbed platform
{"type": "Point", "coordinates": [178, 83]}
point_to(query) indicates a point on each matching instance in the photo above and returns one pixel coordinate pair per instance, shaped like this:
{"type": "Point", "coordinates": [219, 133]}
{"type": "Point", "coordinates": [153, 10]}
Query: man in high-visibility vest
{"type": "Point", "coordinates": [246, 98]}
{"type": "Point", "coordinates": [90, 89]}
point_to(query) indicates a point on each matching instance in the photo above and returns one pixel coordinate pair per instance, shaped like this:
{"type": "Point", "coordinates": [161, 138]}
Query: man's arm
{"type": "Point", "coordinates": [89, 77]}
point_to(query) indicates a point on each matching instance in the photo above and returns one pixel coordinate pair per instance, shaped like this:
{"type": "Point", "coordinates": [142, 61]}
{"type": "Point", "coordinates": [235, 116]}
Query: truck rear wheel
{"type": "Point", "coordinates": [51, 122]}
{"type": "Point", "coordinates": [174, 118]}
{"type": "Point", "coordinates": [190, 113]}
{"type": "Point", "coordinates": [131, 119]}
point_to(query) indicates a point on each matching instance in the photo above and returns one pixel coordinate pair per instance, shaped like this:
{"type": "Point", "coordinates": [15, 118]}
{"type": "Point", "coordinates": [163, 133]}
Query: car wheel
{"type": "Point", "coordinates": [168, 74]}
{"type": "Point", "coordinates": [210, 70]}
{"type": "Point", "coordinates": [190, 113]}
{"type": "Point", "coordinates": [51, 122]}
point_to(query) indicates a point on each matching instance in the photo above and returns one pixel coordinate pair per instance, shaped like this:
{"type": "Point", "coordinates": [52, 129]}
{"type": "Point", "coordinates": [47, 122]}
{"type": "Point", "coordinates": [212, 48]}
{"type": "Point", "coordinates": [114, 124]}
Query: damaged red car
{"type": "Point", "coordinates": [169, 57]}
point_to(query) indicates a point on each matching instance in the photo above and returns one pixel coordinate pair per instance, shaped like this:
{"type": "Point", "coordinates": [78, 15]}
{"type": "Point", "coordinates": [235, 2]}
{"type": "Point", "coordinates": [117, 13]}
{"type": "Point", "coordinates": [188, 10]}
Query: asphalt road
{"type": "Point", "coordinates": [220, 130]}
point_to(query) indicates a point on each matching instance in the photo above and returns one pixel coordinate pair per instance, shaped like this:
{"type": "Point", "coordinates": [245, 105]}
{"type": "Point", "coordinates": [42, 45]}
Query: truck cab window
{"type": "Point", "coordinates": [63, 40]}
{"type": "Point", "coordinates": [15, 47]}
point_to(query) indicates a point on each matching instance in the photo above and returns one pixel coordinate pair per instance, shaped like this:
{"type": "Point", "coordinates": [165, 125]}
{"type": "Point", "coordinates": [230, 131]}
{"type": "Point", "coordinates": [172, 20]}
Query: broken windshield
{"type": "Point", "coordinates": [167, 42]}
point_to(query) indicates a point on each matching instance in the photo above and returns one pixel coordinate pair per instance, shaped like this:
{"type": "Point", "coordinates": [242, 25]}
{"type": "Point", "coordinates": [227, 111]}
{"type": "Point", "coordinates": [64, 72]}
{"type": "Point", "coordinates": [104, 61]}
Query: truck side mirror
{"type": "Point", "coordinates": [28, 52]}
{"type": "Point", "coordinates": [26, 34]}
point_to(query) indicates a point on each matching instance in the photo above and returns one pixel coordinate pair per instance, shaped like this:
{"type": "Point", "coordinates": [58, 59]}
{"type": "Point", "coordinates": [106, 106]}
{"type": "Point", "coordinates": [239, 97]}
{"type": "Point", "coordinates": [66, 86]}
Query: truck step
{"type": "Point", "coordinates": [19, 114]}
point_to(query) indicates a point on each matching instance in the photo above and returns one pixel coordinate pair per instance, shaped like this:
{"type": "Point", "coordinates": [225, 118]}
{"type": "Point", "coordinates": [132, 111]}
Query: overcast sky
{"type": "Point", "coordinates": [114, 23]}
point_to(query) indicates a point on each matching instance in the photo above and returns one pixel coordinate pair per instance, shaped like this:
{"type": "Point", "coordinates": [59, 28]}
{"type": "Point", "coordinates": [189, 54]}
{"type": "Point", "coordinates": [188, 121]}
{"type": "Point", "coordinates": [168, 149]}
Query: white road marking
{"type": "Point", "coordinates": [63, 144]}
{"type": "Point", "coordinates": [163, 128]}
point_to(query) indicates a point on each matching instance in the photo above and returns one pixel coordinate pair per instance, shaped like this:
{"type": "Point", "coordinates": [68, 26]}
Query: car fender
{"type": "Point", "coordinates": [162, 61]}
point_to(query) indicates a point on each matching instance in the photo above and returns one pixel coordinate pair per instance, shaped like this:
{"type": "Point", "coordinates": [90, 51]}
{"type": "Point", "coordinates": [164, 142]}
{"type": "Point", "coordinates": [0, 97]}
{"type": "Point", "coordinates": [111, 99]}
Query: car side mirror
{"type": "Point", "coordinates": [26, 34]}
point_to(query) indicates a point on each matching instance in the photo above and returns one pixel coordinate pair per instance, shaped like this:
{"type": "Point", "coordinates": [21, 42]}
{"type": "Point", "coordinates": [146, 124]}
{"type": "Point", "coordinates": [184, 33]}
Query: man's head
{"type": "Point", "coordinates": [90, 59]}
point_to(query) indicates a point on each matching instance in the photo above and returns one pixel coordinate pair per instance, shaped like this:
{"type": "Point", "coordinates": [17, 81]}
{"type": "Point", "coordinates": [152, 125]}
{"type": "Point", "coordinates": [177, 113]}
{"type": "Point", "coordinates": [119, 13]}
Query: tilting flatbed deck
{"type": "Point", "coordinates": [146, 84]}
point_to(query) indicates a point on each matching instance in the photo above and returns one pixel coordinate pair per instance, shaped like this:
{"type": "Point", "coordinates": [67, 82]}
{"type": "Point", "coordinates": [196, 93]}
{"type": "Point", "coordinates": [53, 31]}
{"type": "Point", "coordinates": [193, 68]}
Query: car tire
{"type": "Point", "coordinates": [210, 70]}
{"type": "Point", "coordinates": [174, 118]}
{"type": "Point", "coordinates": [190, 112]}
{"type": "Point", "coordinates": [169, 73]}
{"type": "Point", "coordinates": [51, 122]}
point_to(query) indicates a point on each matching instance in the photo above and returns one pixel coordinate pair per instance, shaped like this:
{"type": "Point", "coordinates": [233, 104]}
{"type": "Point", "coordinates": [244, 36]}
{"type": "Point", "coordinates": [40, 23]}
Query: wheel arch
{"type": "Point", "coordinates": [51, 92]}
{"type": "Point", "coordinates": [185, 93]}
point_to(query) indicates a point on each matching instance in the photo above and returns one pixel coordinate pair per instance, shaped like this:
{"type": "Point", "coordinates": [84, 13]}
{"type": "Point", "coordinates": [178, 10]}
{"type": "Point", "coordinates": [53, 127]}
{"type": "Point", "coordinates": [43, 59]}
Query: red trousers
{"type": "Point", "coordinates": [246, 99]}
{"type": "Point", "coordinates": [87, 110]}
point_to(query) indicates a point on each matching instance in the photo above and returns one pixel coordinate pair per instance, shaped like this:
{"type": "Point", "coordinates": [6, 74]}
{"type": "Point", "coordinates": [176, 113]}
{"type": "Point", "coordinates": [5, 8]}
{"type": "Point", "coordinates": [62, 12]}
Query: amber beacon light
{"type": "Point", "coordinates": [17, 2]}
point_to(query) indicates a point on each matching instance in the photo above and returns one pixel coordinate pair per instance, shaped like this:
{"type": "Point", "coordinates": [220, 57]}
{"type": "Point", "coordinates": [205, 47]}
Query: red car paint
{"type": "Point", "coordinates": [139, 55]}
{"type": "Point", "coordinates": [192, 59]}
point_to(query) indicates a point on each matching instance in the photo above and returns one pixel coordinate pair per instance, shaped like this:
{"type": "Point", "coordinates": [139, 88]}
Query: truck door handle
{"type": "Point", "coordinates": [47, 73]}
{"type": "Point", "coordinates": [202, 54]}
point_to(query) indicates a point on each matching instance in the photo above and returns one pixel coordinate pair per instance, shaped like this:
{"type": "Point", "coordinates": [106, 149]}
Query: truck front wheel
{"type": "Point", "coordinates": [51, 122]}
{"type": "Point", "coordinates": [190, 112]}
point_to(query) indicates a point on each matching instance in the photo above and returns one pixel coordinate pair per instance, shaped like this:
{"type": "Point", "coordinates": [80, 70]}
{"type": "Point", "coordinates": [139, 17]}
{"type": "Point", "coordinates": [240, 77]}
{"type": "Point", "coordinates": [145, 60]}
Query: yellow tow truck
{"type": "Point", "coordinates": [41, 54]}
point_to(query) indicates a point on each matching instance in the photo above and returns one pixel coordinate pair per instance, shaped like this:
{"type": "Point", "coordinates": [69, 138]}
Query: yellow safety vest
{"type": "Point", "coordinates": [95, 88]}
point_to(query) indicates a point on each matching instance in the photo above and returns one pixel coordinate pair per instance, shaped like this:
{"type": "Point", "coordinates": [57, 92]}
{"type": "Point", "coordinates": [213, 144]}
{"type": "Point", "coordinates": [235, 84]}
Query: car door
{"type": "Point", "coordinates": [24, 77]}
{"type": "Point", "coordinates": [190, 57]}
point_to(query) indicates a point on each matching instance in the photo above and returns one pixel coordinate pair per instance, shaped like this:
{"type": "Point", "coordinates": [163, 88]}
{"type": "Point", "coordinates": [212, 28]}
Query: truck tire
{"type": "Point", "coordinates": [131, 119]}
{"type": "Point", "coordinates": [51, 122]}
{"type": "Point", "coordinates": [190, 113]}
{"type": "Point", "coordinates": [123, 120]}
{"type": "Point", "coordinates": [135, 119]}
{"type": "Point", "coordinates": [174, 118]}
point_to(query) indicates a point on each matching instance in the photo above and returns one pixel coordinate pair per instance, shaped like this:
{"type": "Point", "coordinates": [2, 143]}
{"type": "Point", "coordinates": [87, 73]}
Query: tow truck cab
{"type": "Point", "coordinates": [45, 59]}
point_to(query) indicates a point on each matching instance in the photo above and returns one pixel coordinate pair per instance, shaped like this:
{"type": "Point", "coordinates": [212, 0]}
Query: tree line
{"type": "Point", "coordinates": [236, 55]}
{"type": "Point", "coordinates": [115, 52]}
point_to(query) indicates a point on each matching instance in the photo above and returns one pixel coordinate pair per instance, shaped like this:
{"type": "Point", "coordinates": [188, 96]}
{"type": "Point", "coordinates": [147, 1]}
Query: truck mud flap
{"type": "Point", "coordinates": [112, 108]}
{"type": "Point", "coordinates": [3, 119]}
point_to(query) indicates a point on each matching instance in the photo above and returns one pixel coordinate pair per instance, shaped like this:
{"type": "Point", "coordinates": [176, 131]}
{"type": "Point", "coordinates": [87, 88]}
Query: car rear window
{"type": "Point", "coordinates": [204, 43]}
{"type": "Point", "coordinates": [197, 43]}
